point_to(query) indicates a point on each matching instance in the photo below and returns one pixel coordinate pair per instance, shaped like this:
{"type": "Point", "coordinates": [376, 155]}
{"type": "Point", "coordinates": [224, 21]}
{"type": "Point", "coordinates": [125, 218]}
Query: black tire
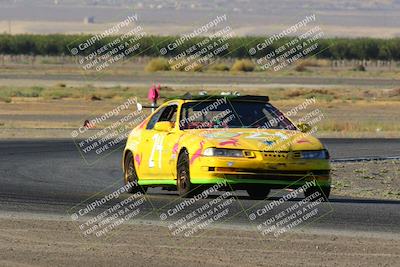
{"type": "Point", "coordinates": [130, 175]}
{"type": "Point", "coordinates": [324, 192]}
{"type": "Point", "coordinates": [258, 192]}
{"type": "Point", "coordinates": [183, 184]}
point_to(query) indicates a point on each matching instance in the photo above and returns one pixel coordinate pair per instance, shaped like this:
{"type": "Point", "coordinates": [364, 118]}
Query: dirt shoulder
{"type": "Point", "coordinates": [373, 179]}
{"type": "Point", "coordinates": [38, 242]}
{"type": "Point", "coordinates": [41, 118]}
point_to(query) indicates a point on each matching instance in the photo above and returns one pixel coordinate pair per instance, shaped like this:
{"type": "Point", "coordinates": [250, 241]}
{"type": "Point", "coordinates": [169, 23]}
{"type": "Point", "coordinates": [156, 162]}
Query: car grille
{"type": "Point", "coordinates": [281, 154]}
{"type": "Point", "coordinates": [272, 154]}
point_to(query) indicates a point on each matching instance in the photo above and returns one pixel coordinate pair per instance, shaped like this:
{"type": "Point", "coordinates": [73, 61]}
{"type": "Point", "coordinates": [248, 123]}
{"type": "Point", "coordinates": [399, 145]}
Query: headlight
{"type": "Point", "coordinates": [321, 154]}
{"type": "Point", "coordinates": [221, 152]}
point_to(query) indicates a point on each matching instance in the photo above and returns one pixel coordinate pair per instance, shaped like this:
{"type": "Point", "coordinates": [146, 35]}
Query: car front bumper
{"type": "Point", "coordinates": [280, 173]}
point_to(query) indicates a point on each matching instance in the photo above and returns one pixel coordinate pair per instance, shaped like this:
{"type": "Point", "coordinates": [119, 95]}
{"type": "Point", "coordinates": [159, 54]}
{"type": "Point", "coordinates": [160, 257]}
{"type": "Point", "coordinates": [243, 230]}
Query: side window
{"type": "Point", "coordinates": [166, 114]}
{"type": "Point", "coordinates": [169, 114]}
{"type": "Point", "coordinates": [154, 119]}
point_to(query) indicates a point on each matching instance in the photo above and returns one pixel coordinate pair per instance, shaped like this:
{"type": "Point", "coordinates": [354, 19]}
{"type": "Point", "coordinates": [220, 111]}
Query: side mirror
{"type": "Point", "coordinates": [304, 127]}
{"type": "Point", "coordinates": [139, 106]}
{"type": "Point", "coordinates": [163, 126]}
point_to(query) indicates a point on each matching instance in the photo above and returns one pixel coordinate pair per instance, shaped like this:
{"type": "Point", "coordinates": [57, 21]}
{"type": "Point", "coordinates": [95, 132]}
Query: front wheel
{"type": "Point", "coordinates": [259, 193]}
{"type": "Point", "coordinates": [131, 177]}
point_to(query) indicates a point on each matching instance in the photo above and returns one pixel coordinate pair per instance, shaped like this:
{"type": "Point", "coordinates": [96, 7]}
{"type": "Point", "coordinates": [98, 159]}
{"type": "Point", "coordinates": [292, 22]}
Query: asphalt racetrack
{"type": "Point", "coordinates": [50, 177]}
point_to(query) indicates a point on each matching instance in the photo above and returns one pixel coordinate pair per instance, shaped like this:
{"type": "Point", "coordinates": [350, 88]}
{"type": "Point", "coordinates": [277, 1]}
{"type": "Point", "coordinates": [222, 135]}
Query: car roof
{"type": "Point", "coordinates": [189, 97]}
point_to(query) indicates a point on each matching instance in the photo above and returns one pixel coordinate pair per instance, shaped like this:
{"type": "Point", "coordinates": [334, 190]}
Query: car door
{"type": "Point", "coordinates": [146, 141]}
{"type": "Point", "coordinates": [157, 146]}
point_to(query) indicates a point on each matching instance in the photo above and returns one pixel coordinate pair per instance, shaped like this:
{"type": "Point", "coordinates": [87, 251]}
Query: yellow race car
{"type": "Point", "coordinates": [242, 142]}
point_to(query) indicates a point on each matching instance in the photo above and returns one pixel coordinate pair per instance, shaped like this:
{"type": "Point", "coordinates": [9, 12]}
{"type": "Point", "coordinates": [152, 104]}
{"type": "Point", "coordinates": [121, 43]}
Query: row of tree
{"type": "Point", "coordinates": [171, 46]}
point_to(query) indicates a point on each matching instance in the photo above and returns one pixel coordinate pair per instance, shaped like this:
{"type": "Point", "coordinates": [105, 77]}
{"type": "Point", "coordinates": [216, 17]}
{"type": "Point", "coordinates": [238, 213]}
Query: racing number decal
{"type": "Point", "coordinates": [157, 147]}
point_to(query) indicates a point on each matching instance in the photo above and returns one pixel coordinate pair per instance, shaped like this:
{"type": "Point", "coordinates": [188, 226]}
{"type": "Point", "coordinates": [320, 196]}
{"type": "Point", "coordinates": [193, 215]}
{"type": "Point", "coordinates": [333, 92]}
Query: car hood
{"type": "Point", "coordinates": [257, 139]}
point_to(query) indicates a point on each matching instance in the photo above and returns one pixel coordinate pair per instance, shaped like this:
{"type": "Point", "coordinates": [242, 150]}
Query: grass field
{"type": "Point", "coordinates": [222, 67]}
{"type": "Point", "coordinates": [347, 112]}
{"type": "Point", "coordinates": [365, 110]}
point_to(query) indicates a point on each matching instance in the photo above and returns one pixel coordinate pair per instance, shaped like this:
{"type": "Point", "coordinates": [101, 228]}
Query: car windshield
{"type": "Point", "coordinates": [232, 114]}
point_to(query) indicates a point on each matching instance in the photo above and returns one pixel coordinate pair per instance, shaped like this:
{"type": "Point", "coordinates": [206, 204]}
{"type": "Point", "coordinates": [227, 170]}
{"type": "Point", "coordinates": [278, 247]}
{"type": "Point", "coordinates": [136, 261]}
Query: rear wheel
{"type": "Point", "coordinates": [183, 184]}
{"type": "Point", "coordinates": [258, 192]}
{"type": "Point", "coordinates": [324, 192]}
{"type": "Point", "coordinates": [130, 175]}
